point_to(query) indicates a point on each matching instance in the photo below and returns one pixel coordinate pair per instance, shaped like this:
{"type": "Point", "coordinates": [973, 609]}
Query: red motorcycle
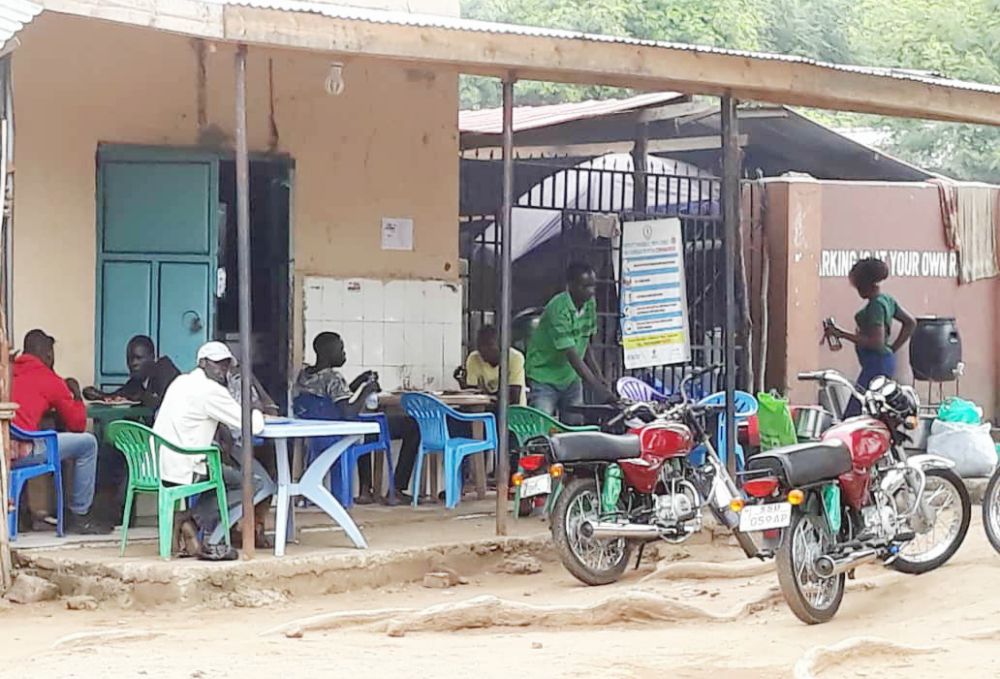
{"type": "Point", "coordinates": [855, 497]}
{"type": "Point", "coordinates": [622, 491]}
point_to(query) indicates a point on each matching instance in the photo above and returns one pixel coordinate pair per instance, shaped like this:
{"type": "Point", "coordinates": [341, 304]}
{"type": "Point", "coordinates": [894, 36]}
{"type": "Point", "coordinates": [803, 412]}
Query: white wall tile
{"type": "Point", "coordinates": [395, 301]}
{"type": "Point", "coordinates": [452, 350]}
{"type": "Point", "coordinates": [352, 301]}
{"type": "Point", "coordinates": [413, 350]}
{"type": "Point", "coordinates": [432, 377]}
{"type": "Point", "coordinates": [333, 300]}
{"type": "Point", "coordinates": [389, 378]}
{"type": "Point", "coordinates": [374, 300]}
{"type": "Point", "coordinates": [433, 345]}
{"type": "Point", "coordinates": [451, 295]}
{"type": "Point", "coordinates": [393, 345]}
{"type": "Point", "coordinates": [352, 332]}
{"type": "Point", "coordinates": [416, 302]}
{"type": "Point", "coordinates": [373, 351]}
{"type": "Point", "coordinates": [312, 298]}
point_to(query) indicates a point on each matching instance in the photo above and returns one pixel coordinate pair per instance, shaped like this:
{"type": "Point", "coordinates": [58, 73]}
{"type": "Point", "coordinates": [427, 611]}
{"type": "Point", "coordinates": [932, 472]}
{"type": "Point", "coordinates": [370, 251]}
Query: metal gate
{"type": "Point", "coordinates": [585, 203]}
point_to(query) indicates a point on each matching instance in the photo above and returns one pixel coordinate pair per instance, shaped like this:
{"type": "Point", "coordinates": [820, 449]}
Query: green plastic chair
{"type": "Point", "coordinates": [141, 448]}
{"type": "Point", "coordinates": [530, 423]}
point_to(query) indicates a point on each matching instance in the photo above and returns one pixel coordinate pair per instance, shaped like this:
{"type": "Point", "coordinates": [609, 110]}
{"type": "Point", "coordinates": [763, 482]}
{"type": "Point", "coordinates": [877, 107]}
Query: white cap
{"type": "Point", "coordinates": [215, 352]}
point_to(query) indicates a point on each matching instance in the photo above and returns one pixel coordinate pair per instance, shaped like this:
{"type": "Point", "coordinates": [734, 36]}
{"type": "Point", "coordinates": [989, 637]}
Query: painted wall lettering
{"type": "Point", "coordinates": [902, 263]}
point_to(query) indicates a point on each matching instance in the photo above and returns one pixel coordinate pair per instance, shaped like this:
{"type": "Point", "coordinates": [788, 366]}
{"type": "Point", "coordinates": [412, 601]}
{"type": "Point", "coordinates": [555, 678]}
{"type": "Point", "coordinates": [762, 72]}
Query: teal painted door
{"type": "Point", "coordinates": [157, 214]}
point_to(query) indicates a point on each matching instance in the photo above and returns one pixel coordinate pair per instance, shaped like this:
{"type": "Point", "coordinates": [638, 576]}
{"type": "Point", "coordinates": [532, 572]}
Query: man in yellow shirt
{"type": "Point", "coordinates": [482, 368]}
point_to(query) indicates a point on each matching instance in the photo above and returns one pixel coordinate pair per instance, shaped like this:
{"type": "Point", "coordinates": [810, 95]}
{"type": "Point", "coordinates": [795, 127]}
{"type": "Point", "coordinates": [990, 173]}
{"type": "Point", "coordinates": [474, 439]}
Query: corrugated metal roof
{"type": "Point", "coordinates": [490, 121]}
{"type": "Point", "coordinates": [15, 15]}
{"type": "Point", "coordinates": [468, 25]}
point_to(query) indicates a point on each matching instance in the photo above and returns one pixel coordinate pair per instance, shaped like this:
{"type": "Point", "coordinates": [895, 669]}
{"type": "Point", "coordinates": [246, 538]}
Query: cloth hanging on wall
{"type": "Point", "coordinates": [970, 214]}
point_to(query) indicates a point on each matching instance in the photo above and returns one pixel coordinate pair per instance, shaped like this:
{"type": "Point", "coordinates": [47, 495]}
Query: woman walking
{"type": "Point", "coordinates": [872, 341]}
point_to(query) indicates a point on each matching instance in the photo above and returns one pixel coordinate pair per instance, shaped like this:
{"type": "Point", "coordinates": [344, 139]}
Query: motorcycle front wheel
{"type": "Point", "coordinates": [948, 498]}
{"type": "Point", "coordinates": [589, 560]}
{"type": "Point", "coordinates": [991, 510]}
{"type": "Point", "coordinates": [812, 598]}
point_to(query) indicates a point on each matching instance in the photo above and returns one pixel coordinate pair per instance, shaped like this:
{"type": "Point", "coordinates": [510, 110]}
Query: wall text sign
{"type": "Point", "coordinates": [902, 263]}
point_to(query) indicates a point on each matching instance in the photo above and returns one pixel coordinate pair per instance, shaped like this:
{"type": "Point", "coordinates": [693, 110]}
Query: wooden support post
{"type": "Point", "coordinates": [243, 265]}
{"type": "Point", "coordinates": [640, 160]}
{"type": "Point", "coordinates": [731, 224]}
{"type": "Point", "coordinates": [503, 393]}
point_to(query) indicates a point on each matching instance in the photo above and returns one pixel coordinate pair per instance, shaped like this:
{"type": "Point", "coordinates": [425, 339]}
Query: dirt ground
{"type": "Point", "coordinates": [945, 624]}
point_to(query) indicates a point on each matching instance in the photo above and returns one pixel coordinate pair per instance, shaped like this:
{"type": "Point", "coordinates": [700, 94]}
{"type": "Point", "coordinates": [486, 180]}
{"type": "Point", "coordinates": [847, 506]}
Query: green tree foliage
{"type": "Point", "coordinates": [953, 38]}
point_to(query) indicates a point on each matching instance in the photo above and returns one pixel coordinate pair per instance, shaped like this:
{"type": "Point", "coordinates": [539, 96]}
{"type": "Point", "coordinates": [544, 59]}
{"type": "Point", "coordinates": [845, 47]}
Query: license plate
{"type": "Point", "coordinates": [765, 517]}
{"type": "Point", "coordinates": [536, 485]}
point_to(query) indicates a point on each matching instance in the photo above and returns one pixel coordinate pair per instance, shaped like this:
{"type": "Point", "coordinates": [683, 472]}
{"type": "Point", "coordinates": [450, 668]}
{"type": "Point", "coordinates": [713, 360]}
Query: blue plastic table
{"type": "Point", "coordinates": [311, 484]}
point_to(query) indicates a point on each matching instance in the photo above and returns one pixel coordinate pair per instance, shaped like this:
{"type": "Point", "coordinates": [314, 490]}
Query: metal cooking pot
{"type": "Point", "coordinates": [811, 422]}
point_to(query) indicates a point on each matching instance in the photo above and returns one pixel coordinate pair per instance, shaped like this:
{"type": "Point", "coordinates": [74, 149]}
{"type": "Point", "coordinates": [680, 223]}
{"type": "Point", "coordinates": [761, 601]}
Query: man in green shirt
{"type": "Point", "coordinates": [559, 360]}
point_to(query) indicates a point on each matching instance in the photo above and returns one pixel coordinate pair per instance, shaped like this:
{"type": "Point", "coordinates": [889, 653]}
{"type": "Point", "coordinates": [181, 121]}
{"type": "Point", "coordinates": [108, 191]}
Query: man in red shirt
{"type": "Point", "coordinates": [39, 391]}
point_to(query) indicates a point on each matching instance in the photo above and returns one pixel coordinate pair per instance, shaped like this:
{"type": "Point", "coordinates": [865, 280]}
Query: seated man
{"type": "Point", "coordinates": [38, 390]}
{"type": "Point", "coordinates": [149, 376]}
{"type": "Point", "coordinates": [324, 379]}
{"type": "Point", "coordinates": [482, 368]}
{"type": "Point", "coordinates": [192, 410]}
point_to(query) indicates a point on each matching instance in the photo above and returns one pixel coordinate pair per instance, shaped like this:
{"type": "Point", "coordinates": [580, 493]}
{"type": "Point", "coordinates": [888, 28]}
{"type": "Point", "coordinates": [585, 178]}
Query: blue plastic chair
{"type": "Point", "coordinates": [47, 463]}
{"type": "Point", "coordinates": [432, 416]}
{"type": "Point", "coordinates": [310, 406]}
{"type": "Point", "coordinates": [746, 407]}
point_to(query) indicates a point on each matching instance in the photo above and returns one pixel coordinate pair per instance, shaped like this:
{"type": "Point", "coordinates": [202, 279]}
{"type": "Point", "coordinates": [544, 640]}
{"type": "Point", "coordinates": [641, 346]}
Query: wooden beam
{"type": "Point", "coordinates": [671, 111]}
{"type": "Point", "coordinates": [676, 145]}
{"type": "Point", "coordinates": [566, 58]}
{"type": "Point", "coordinates": [638, 66]}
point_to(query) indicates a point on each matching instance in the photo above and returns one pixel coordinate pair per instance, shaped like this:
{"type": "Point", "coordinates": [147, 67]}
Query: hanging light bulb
{"type": "Point", "coordinates": [334, 84]}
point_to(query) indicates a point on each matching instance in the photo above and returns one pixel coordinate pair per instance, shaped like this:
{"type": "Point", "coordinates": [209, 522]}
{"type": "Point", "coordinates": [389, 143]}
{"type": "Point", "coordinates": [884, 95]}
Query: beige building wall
{"type": "Point", "coordinates": [388, 146]}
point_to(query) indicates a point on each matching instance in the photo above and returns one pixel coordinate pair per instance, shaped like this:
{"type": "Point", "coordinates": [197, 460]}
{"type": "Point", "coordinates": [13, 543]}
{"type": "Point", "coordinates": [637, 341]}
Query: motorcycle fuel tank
{"type": "Point", "coordinates": [659, 442]}
{"type": "Point", "coordinates": [866, 438]}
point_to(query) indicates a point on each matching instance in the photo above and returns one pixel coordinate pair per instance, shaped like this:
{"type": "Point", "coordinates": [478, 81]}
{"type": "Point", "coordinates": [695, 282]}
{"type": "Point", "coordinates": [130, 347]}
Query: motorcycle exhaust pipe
{"type": "Point", "coordinates": [828, 567]}
{"type": "Point", "coordinates": [603, 530]}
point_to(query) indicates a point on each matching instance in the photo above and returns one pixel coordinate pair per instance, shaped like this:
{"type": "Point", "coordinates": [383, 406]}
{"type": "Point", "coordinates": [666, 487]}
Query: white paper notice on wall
{"type": "Point", "coordinates": [397, 233]}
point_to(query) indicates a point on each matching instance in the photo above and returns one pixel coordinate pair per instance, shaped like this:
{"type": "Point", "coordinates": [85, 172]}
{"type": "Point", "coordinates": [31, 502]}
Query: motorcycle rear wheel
{"type": "Point", "coordinates": [813, 599]}
{"type": "Point", "coordinates": [944, 490]}
{"type": "Point", "coordinates": [591, 561]}
{"type": "Point", "coordinates": [991, 510]}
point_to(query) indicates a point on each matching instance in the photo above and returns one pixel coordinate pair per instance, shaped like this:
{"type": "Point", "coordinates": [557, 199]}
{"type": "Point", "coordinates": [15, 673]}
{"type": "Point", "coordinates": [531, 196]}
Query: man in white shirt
{"type": "Point", "coordinates": [192, 410]}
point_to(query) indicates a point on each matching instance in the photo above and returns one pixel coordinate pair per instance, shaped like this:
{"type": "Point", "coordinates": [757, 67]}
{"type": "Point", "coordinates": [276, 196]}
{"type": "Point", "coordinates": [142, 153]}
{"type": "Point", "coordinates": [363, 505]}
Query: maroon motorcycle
{"type": "Point", "coordinates": [855, 497]}
{"type": "Point", "coordinates": [623, 491]}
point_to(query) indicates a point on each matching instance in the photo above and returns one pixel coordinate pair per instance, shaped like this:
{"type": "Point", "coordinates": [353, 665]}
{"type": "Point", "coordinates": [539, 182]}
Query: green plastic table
{"type": "Point", "coordinates": [104, 414]}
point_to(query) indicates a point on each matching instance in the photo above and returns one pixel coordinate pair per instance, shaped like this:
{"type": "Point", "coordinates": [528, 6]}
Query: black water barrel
{"type": "Point", "coordinates": [935, 349]}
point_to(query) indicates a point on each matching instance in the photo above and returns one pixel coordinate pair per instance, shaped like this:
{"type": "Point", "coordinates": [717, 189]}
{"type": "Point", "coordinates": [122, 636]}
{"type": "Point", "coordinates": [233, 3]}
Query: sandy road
{"type": "Point", "coordinates": [955, 609]}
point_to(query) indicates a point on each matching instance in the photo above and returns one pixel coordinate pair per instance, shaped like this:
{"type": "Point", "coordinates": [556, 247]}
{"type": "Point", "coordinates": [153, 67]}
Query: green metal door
{"type": "Point", "coordinates": [157, 225]}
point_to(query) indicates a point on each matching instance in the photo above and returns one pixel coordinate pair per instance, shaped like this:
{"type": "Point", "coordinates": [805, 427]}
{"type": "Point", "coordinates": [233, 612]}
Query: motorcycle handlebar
{"type": "Point", "coordinates": [824, 376]}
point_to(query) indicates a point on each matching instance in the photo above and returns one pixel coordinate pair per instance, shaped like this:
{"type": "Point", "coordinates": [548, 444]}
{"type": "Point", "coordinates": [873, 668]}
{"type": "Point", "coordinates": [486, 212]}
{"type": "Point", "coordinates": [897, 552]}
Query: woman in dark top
{"type": "Point", "coordinates": [872, 341]}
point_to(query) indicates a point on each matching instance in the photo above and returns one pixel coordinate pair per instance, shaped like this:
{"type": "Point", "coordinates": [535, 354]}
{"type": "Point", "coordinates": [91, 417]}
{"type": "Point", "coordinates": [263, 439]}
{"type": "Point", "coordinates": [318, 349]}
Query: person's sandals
{"type": "Point", "coordinates": [365, 497]}
{"type": "Point", "coordinates": [186, 538]}
{"type": "Point", "coordinates": [217, 552]}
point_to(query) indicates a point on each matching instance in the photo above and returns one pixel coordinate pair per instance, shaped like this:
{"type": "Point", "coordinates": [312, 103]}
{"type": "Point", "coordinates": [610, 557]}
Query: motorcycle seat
{"type": "Point", "coordinates": [805, 463]}
{"type": "Point", "coordinates": [594, 446]}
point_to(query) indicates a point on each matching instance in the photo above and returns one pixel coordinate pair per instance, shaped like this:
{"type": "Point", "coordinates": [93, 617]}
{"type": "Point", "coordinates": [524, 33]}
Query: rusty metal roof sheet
{"type": "Point", "coordinates": [490, 121]}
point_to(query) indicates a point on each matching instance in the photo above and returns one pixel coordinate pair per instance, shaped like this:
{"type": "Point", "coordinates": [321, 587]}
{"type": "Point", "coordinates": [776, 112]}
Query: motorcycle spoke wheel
{"type": "Point", "coordinates": [946, 497]}
{"type": "Point", "coordinates": [598, 555]}
{"type": "Point", "coordinates": [991, 511]}
{"type": "Point", "coordinates": [809, 542]}
{"type": "Point", "coordinates": [943, 500]}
